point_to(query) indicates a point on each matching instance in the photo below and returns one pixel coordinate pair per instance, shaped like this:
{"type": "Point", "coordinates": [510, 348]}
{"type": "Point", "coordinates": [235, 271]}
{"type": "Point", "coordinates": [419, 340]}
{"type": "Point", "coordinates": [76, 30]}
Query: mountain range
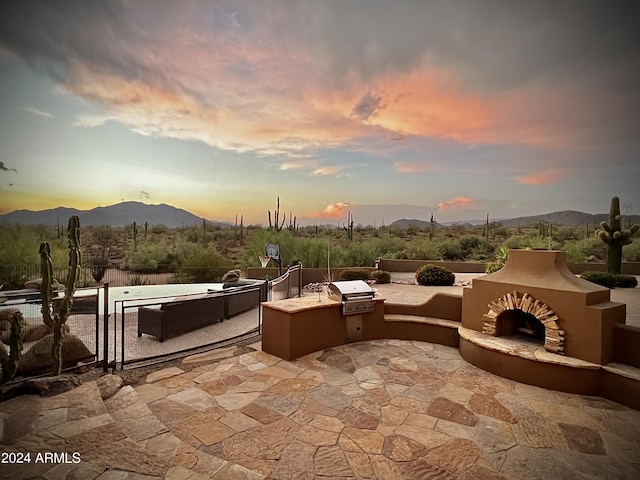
{"type": "Point", "coordinates": [126, 213]}
{"type": "Point", "coordinates": [116, 215]}
{"type": "Point", "coordinates": [562, 217]}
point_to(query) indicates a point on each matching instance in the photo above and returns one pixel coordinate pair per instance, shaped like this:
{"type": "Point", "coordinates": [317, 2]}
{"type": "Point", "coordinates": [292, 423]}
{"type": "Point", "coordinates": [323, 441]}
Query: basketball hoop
{"type": "Point", "coordinates": [264, 261]}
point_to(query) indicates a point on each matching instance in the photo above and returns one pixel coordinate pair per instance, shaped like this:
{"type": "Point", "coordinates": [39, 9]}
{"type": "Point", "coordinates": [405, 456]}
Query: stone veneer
{"type": "Point", "coordinates": [553, 335]}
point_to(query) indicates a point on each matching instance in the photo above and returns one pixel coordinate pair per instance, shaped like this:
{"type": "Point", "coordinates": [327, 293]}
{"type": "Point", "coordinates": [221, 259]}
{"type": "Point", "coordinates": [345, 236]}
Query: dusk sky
{"type": "Point", "coordinates": [390, 109]}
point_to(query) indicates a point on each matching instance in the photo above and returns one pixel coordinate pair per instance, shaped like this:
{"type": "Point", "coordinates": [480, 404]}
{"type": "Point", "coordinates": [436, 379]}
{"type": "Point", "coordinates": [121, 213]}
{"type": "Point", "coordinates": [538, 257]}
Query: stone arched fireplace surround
{"type": "Point", "coordinates": [582, 312]}
{"type": "Point", "coordinates": [525, 303]}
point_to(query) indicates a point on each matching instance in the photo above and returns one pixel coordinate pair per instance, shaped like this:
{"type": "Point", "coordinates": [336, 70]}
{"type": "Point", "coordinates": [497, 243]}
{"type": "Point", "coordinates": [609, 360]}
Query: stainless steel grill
{"type": "Point", "coordinates": [356, 296]}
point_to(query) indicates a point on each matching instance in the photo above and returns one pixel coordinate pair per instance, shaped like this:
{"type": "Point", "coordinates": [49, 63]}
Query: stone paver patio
{"type": "Point", "coordinates": [384, 409]}
{"type": "Point", "coordinates": [374, 410]}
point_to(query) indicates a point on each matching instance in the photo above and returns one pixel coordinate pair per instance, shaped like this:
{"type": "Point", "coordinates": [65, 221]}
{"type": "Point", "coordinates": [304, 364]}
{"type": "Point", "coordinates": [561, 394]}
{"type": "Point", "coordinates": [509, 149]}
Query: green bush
{"type": "Point", "coordinates": [136, 280]}
{"type": "Point", "coordinates": [205, 266]}
{"type": "Point", "coordinates": [421, 250]}
{"type": "Point", "coordinates": [354, 274]}
{"type": "Point", "coordinates": [610, 280]}
{"type": "Point", "coordinates": [180, 277]}
{"type": "Point", "coordinates": [583, 250]}
{"type": "Point", "coordinates": [380, 276]}
{"type": "Point", "coordinates": [451, 250]}
{"type": "Point", "coordinates": [631, 252]}
{"type": "Point", "coordinates": [502, 254]}
{"type": "Point", "coordinates": [434, 275]}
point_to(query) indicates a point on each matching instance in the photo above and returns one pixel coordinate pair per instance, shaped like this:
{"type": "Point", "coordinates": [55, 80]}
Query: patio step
{"type": "Point", "coordinates": [440, 322]}
{"type": "Point", "coordinates": [425, 329]}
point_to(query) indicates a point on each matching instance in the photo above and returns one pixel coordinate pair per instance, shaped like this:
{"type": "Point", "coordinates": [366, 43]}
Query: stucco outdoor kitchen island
{"type": "Point", "coordinates": [295, 327]}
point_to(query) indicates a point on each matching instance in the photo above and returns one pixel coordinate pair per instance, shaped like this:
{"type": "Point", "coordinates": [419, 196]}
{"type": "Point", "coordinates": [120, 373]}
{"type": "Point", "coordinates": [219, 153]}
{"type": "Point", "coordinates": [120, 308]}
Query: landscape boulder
{"type": "Point", "coordinates": [108, 385]}
{"type": "Point", "coordinates": [4, 353]}
{"type": "Point", "coordinates": [5, 316]}
{"type": "Point", "coordinates": [32, 333]}
{"type": "Point", "coordinates": [49, 386]}
{"type": "Point", "coordinates": [38, 358]}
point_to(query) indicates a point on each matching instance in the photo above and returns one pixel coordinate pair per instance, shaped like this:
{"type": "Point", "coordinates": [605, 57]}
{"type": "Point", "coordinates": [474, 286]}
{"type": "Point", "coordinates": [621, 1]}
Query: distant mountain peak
{"type": "Point", "coordinates": [116, 215]}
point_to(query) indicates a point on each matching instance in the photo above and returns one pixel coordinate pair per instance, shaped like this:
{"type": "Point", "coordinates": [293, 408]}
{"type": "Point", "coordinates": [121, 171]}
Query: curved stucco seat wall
{"type": "Point", "coordinates": [584, 344]}
{"type": "Point", "coordinates": [581, 326]}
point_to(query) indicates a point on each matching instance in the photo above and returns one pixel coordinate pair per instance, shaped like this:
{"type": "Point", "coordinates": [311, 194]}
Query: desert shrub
{"type": "Point", "coordinates": [104, 236]}
{"type": "Point", "coordinates": [434, 275]}
{"type": "Point", "coordinates": [475, 247]}
{"type": "Point", "coordinates": [610, 280]}
{"type": "Point", "coordinates": [19, 247]}
{"type": "Point", "coordinates": [451, 250]}
{"type": "Point", "coordinates": [145, 258]}
{"type": "Point", "coordinates": [380, 276]}
{"type": "Point", "coordinates": [137, 279]}
{"type": "Point", "coordinates": [354, 274]}
{"type": "Point", "coordinates": [585, 250]}
{"type": "Point", "coordinates": [630, 253]}
{"type": "Point", "coordinates": [170, 263]}
{"type": "Point", "coordinates": [517, 241]}
{"type": "Point", "coordinates": [312, 252]}
{"type": "Point", "coordinates": [421, 250]}
{"type": "Point", "coordinates": [469, 242]}
{"type": "Point", "coordinates": [180, 277]}
{"type": "Point", "coordinates": [568, 233]}
{"type": "Point", "coordinates": [502, 254]}
{"type": "Point", "coordinates": [159, 229]}
{"type": "Point", "coordinates": [205, 266]}
{"type": "Point", "coordinates": [365, 254]}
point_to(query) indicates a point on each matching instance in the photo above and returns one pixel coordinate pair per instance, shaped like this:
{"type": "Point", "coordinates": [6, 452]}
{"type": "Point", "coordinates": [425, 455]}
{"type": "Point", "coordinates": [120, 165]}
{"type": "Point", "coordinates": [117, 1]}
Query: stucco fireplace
{"type": "Point", "coordinates": [535, 295]}
{"type": "Point", "coordinates": [536, 322]}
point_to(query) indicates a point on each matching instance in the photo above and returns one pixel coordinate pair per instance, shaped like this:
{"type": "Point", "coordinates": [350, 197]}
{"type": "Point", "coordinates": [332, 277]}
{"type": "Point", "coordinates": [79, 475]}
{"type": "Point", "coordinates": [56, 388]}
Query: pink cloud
{"type": "Point", "coordinates": [332, 211]}
{"type": "Point", "coordinates": [308, 109]}
{"type": "Point", "coordinates": [546, 177]}
{"type": "Point", "coordinates": [457, 202]}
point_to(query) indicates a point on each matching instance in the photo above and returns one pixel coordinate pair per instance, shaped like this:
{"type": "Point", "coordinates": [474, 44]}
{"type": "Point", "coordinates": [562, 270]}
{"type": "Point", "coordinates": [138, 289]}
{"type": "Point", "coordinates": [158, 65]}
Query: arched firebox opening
{"type": "Point", "coordinates": [519, 323]}
{"type": "Point", "coordinates": [521, 314]}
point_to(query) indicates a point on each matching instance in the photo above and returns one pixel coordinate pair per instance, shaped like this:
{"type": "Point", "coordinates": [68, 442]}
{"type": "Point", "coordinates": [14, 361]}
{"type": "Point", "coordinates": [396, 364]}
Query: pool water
{"type": "Point", "coordinates": [145, 294]}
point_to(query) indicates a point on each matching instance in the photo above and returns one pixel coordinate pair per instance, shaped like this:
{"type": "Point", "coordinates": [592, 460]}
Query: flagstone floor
{"type": "Point", "coordinates": [374, 410]}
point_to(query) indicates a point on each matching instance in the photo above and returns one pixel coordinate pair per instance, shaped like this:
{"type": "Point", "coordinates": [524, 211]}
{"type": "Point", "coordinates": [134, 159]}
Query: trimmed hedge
{"type": "Point", "coordinates": [610, 280]}
{"type": "Point", "coordinates": [354, 274]}
{"type": "Point", "coordinates": [380, 276]}
{"type": "Point", "coordinates": [434, 275]}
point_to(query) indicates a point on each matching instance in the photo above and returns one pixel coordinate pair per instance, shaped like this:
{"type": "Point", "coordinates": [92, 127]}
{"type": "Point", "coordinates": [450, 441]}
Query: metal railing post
{"type": "Point", "coordinates": [105, 327]}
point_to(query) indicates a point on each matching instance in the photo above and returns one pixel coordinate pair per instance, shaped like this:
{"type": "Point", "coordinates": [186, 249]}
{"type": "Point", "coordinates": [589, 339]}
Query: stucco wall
{"type": "Point", "coordinates": [309, 275]}
{"type": "Point", "coordinates": [393, 265]}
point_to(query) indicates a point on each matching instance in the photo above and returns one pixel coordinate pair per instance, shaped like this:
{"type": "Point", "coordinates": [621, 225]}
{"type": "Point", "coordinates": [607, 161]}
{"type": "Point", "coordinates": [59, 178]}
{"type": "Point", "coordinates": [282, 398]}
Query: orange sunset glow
{"type": "Point", "coordinates": [460, 108]}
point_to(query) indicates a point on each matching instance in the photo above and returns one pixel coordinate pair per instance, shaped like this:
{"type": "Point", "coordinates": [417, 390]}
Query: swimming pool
{"type": "Point", "coordinates": [127, 296]}
{"type": "Point", "coordinates": [146, 294]}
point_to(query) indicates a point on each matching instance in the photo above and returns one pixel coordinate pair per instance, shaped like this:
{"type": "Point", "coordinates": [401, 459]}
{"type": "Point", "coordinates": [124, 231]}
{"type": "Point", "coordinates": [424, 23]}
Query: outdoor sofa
{"type": "Point", "coordinates": [177, 318]}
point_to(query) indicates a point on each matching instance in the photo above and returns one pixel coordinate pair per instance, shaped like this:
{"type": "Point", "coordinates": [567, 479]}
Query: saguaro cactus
{"type": "Point", "coordinates": [56, 320]}
{"type": "Point", "coordinates": [349, 226]}
{"type": "Point", "coordinates": [612, 234]}
{"type": "Point", "coordinates": [276, 213]}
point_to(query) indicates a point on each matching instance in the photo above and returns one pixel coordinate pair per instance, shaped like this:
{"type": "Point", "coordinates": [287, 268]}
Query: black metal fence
{"type": "Point", "coordinates": [82, 342]}
{"type": "Point", "coordinates": [16, 276]}
{"type": "Point", "coordinates": [236, 318]}
{"type": "Point", "coordinates": [104, 322]}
